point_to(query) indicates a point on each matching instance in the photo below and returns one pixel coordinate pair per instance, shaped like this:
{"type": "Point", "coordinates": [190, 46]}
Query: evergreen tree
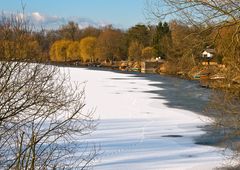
{"type": "Point", "coordinates": [159, 41]}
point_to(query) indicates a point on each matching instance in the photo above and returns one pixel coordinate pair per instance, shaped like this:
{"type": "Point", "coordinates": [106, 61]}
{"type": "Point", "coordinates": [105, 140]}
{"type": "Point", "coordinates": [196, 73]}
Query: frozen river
{"type": "Point", "coordinates": [147, 122]}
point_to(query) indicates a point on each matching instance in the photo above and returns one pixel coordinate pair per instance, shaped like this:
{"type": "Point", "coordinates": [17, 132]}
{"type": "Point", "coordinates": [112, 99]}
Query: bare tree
{"type": "Point", "coordinates": [41, 112]}
{"type": "Point", "coordinates": [196, 11]}
{"type": "Point", "coordinates": [206, 15]}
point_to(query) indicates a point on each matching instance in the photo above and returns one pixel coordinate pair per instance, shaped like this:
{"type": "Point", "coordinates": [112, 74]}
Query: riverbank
{"type": "Point", "coordinates": [208, 76]}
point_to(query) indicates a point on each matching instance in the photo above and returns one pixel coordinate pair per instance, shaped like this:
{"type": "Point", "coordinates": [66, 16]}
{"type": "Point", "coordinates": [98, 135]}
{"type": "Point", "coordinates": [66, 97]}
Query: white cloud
{"type": "Point", "coordinates": [53, 22]}
{"type": "Point", "coordinates": [38, 17]}
{"type": "Point", "coordinates": [20, 16]}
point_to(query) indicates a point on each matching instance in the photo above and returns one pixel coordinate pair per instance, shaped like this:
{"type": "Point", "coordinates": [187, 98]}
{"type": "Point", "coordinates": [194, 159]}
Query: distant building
{"type": "Point", "coordinates": [208, 54]}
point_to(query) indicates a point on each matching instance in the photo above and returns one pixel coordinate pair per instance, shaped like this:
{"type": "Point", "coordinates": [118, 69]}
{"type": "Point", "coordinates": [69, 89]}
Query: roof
{"type": "Point", "coordinates": [209, 50]}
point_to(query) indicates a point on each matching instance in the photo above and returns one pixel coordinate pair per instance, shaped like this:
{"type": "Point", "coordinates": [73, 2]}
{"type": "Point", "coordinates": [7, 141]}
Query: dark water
{"type": "Point", "coordinates": [179, 93]}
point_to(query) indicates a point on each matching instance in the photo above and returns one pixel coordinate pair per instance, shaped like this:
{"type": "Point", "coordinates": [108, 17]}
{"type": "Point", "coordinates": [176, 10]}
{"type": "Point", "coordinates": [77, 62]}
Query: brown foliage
{"type": "Point", "coordinates": [110, 45]}
{"type": "Point", "coordinates": [148, 53]}
{"type": "Point", "coordinates": [87, 48]}
{"type": "Point", "coordinates": [135, 51]}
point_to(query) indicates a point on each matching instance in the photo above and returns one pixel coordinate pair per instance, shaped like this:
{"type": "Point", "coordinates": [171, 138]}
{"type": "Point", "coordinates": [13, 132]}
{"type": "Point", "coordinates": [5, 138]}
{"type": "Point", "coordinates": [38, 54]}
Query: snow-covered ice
{"type": "Point", "coordinates": [141, 130]}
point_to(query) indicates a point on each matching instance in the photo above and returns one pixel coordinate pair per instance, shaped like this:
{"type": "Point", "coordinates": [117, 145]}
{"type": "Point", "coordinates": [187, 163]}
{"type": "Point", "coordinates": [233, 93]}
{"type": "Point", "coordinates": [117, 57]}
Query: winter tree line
{"type": "Point", "coordinates": [70, 43]}
{"type": "Point", "coordinates": [176, 41]}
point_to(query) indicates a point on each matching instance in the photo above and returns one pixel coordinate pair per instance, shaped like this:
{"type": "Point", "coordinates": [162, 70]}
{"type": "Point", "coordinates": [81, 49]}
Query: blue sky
{"type": "Point", "coordinates": [120, 13]}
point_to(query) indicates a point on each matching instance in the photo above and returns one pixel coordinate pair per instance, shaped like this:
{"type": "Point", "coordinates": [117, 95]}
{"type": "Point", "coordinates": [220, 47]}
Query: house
{"type": "Point", "coordinates": [208, 54]}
